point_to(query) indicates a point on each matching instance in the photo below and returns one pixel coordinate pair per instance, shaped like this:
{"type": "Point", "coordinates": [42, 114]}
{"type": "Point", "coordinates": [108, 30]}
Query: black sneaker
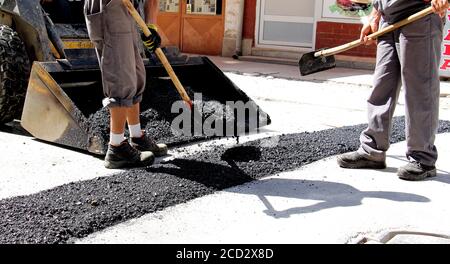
{"type": "Point", "coordinates": [145, 143]}
{"type": "Point", "coordinates": [354, 160]}
{"type": "Point", "coordinates": [414, 171]}
{"type": "Point", "coordinates": [125, 156]}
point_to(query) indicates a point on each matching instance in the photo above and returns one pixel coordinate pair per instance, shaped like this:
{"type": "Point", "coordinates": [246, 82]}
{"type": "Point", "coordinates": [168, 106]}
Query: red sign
{"type": "Point", "coordinates": [445, 60]}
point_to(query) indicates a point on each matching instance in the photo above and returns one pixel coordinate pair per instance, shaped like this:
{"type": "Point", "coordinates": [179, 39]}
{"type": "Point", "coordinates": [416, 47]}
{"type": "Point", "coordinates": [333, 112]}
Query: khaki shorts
{"type": "Point", "coordinates": [112, 30]}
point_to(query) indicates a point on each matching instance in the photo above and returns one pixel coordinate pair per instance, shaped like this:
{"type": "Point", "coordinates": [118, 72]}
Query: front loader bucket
{"type": "Point", "coordinates": [63, 104]}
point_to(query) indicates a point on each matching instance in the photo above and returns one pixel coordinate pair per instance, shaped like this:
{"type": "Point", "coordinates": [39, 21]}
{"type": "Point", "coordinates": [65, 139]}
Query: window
{"type": "Point", "coordinates": [169, 6]}
{"type": "Point", "coordinates": [204, 7]}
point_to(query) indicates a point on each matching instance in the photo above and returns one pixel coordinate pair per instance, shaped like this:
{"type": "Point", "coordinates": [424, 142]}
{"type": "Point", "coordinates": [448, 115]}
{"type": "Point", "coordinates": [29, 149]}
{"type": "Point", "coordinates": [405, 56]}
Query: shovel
{"type": "Point", "coordinates": [321, 60]}
{"type": "Point", "coordinates": [160, 54]}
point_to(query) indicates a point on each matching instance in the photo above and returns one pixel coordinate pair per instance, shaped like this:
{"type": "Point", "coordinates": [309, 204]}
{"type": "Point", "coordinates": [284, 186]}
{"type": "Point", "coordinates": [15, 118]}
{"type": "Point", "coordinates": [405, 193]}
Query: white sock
{"type": "Point", "coordinates": [135, 131]}
{"type": "Point", "coordinates": [116, 139]}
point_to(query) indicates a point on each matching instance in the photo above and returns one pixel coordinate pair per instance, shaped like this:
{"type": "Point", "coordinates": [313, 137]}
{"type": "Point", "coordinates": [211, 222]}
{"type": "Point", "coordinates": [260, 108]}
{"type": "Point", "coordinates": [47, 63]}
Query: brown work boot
{"type": "Point", "coordinates": [414, 171]}
{"type": "Point", "coordinates": [355, 160]}
{"type": "Point", "coordinates": [125, 156]}
{"type": "Point", "coordinates": [145, 143]}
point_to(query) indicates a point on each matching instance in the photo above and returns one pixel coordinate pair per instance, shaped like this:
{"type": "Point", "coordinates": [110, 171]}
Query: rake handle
{"type": "Point", "coordinates": [356, 43]}
{"type": "Point", "coordinates": [162, 57]}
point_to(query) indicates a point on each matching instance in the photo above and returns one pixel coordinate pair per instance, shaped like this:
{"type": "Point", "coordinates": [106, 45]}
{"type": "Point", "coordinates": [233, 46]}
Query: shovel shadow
{"type": "Point", "coordinates": [327, 194]}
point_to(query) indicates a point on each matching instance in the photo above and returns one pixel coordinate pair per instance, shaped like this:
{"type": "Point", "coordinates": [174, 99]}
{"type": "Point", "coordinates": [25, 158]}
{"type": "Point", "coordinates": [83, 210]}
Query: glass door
{"type": "Point", "coordinates": [287, 23]}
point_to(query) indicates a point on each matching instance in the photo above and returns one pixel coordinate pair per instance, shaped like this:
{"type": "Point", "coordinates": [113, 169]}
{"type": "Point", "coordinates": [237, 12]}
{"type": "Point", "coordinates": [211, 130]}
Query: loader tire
{"type": "Point", "coordinates": [14, 74]}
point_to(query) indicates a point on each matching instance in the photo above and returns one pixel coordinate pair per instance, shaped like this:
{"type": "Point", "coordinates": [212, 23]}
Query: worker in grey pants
{"type": "Point", "coordinates": [113, 31]}
{"type": "Point", "coordinates": [409, 56]}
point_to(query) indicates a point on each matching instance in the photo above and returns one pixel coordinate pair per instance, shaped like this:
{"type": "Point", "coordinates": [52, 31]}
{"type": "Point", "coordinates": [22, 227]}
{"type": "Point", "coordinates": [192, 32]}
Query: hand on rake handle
{"type": "Point", "coordinates": [153, 41]}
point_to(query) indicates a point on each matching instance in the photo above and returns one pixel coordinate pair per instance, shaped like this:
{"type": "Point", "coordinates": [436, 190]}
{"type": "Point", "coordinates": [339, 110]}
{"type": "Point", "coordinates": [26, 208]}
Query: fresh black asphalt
{"type": "Point", "coordinates": [78, 209]}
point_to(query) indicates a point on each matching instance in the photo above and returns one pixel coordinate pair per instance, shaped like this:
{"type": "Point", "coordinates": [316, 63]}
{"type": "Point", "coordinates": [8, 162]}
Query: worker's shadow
{"type": "Point", "coordinates": [228, 174]}
{"type": "Point", "coordinates": [325, 195]}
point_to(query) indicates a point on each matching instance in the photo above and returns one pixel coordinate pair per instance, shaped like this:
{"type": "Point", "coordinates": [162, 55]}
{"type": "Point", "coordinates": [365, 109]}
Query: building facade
{"type": "Point", "coordinates": [228, 27]}
{"type": "Point", "coordinates": [272, 28]}
{"type": "Point", "coordinates": [302, 26]}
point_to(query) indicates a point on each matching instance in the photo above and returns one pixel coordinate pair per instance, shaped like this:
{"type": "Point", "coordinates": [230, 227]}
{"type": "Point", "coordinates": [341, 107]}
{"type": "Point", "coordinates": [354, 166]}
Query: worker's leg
{"type": "Point", "coordinates": [139, 68]}
{"type": "Point", "coordinates": [381, 106]}
{"type": "Point", "coordinates": [134, 122]}
{"type": "Point", "coordinates": [111, 86]}
{"type": "Point", "coordinates": [110, 30]}
{"type": "Point", "coordinates": [118, 61]}
{"type": "Point", "coordinates": [118, 118]}
{"type": "Point", "coordinates": [381, 103]}
{"type": "Point", "coordinates": [138, 138]}
{"type": "Point", "coordinates": [420, 57]}
{"type": "Point", "coordinates": [133, 118]}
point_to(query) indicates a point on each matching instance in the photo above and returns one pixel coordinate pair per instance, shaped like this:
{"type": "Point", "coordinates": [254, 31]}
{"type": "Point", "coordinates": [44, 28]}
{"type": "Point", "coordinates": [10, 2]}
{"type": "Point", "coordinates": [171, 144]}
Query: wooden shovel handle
{"type": "Point", "coordinates": [356, 43]}
{"type": "Point", "coordinates": [162, 57]}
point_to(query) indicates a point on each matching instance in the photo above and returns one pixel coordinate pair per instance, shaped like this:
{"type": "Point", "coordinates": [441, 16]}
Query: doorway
{"type": "Point", "coordinates": [194, 26]}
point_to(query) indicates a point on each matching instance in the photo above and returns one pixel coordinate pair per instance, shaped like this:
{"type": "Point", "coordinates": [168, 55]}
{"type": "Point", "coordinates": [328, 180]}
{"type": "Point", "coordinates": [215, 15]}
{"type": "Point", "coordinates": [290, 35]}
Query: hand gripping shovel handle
{"type": "Point", "coordinates": [356, 43]}
{"type": "Point", "coordinates": [159, 53]}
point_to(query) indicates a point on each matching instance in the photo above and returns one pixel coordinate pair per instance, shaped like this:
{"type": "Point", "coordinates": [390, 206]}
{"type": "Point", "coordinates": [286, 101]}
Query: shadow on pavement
{"type": "Point", "coordinates": [443, 176]}
{"type": "Point", "coordinates": [389, 170]}
{"type": "Point", "coordinates": [14, 127]}
{"type": "Point", "coordinates": [328, 194]}
{"type": "Point", "coordinates": [211, 175]}
{"type": "Point", "coordinates": [216, 175]}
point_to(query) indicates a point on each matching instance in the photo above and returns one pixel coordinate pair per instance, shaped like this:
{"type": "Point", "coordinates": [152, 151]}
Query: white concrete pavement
{"type": "Point", "coordinates": [29, 166]}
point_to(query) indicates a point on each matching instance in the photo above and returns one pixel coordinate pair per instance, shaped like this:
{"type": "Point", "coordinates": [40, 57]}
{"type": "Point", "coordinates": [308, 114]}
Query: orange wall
{"type": "Point", "coordinates": [249, 20]}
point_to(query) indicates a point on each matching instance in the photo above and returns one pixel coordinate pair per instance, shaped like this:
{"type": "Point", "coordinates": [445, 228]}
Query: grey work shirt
{"type": "Point", "coordinates": [396, 10]}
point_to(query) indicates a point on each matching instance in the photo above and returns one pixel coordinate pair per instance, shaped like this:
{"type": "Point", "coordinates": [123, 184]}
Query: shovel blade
{"type": "Point", "coordinates": [310, 64]}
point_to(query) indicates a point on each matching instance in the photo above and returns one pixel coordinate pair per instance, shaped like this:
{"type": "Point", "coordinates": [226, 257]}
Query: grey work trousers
{"type": "Point", "coordinates": [112, 30]}
{"type": "Point", "coordinates": [408, 56]}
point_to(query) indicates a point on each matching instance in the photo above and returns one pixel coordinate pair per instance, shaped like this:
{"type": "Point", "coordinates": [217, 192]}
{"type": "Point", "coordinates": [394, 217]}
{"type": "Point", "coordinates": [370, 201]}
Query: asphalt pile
{"type": "Point", "coordinates": [78, 209]}
{"type": "Point", "coordinates": [157, 117]}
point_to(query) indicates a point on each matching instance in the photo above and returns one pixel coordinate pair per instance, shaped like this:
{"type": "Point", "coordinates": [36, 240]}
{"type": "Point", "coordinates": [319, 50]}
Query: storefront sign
{"type": "Point", "coordinates": [445, 60]}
